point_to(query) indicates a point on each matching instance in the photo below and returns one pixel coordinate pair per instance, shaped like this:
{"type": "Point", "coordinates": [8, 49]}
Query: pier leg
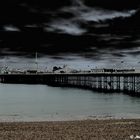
{"type": "Point", "coordinates": [118, 84]}
{"type": "Point", "coordinates": [125, 84]}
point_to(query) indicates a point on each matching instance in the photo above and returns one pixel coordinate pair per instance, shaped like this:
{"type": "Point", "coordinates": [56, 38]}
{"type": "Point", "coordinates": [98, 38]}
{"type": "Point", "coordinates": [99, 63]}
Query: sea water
{"type": "Point", "coordinates": [45, 103]}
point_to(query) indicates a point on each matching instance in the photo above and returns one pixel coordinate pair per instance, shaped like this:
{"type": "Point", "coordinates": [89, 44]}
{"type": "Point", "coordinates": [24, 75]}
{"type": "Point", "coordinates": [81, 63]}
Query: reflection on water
{"type": "Point", "coordinates": [40, 102]}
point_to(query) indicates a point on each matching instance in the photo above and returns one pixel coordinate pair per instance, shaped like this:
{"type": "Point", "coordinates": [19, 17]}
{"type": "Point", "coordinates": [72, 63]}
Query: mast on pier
{"type": "Point", "coordinates": [36, 60]}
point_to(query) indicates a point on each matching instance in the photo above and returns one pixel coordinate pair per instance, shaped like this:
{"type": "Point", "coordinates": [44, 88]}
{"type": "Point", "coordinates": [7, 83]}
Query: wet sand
{"type": "Point", "coordinates": [123, 129]}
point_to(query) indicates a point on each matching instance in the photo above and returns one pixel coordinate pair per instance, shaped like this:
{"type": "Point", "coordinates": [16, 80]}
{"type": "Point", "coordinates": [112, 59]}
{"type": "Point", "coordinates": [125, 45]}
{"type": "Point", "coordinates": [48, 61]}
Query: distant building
{"type": "Point", "coordinates": [105, 70]}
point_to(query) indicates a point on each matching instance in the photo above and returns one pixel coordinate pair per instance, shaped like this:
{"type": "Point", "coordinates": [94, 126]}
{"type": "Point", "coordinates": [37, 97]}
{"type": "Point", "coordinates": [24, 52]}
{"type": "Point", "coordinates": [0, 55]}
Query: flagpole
{"type": "Point", "coordinates": [36, 61]}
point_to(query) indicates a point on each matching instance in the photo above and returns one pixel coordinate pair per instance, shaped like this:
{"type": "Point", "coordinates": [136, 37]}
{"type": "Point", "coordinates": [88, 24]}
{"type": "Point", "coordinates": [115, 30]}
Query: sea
{"type": "Point", "coordinates": [43, 103]}
{"type": "Point", "coordinates": [82, 34]}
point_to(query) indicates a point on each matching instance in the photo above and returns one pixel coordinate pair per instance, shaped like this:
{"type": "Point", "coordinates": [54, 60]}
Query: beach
{"type": "Point", "coordinates": [109, 129]}
{"type": "Point", "coordinates": [40, 112]}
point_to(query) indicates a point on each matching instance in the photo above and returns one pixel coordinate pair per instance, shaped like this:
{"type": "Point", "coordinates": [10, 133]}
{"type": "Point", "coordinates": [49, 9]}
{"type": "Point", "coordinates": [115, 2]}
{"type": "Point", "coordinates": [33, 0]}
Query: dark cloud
{"type": "Point", "coordinates": [114, 4]}
{"type": "Point", "coordinates": [88, 28]}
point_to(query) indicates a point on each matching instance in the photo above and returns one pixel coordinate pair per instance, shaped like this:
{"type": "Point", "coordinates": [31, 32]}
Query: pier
{"type": "Point", "coordinates": [106, 80]}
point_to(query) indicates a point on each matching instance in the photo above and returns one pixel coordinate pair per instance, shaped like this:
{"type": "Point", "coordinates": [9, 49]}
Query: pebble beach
{"type": "Point", "coordinates": [110, 129]}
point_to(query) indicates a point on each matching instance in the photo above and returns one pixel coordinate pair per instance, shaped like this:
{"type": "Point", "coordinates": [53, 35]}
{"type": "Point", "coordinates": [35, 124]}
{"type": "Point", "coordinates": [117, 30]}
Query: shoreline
{"type": "Point", "coordinates": [16, 118]}
{"type": "Point", "coordinates": [67, 120]}
{"type": "Point", "coordinates": [111, 129]}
